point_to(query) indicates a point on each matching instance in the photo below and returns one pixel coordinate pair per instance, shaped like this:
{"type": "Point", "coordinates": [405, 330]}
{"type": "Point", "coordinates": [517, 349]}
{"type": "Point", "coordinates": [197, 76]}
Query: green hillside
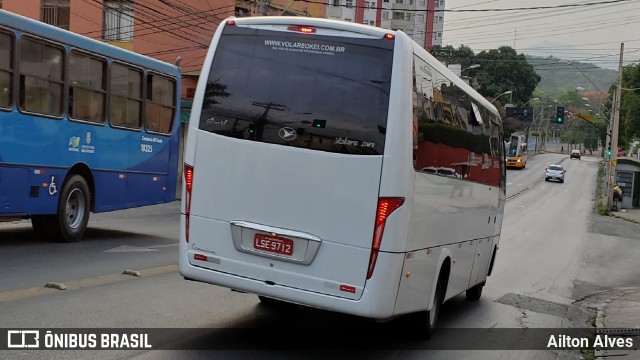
{"type": "Point", "coordinates": [559, 77]}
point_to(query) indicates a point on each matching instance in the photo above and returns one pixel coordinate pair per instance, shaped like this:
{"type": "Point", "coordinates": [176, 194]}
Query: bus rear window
{"type": "Point", "coordinates": [317, 92]}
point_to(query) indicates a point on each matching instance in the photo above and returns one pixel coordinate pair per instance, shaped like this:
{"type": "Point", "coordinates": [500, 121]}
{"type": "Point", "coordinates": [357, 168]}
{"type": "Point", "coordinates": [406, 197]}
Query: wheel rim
{"type": "Point", "coordinates": [75, 208]}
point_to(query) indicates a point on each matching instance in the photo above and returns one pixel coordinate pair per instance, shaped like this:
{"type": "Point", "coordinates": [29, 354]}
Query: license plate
{"type": "Point", "coordinates": [273, 244]}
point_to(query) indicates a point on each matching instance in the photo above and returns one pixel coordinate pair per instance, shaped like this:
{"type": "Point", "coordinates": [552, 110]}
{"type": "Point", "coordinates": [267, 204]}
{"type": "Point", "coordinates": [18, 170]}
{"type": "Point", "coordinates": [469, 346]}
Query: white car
{"type": "Point", "coordinates": [575, 154]}
{"type": "Point", "coordinates": [554, 172]}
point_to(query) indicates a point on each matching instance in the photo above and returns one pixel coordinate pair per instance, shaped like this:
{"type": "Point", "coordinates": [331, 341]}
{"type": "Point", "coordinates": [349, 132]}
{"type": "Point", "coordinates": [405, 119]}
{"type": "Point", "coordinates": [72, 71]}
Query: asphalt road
{"type": "Point", "coordinates": [554, 252]}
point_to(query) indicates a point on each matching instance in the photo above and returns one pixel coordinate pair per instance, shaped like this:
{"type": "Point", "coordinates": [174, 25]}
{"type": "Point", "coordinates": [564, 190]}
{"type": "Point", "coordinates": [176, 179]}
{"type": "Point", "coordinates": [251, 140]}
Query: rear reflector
{"type": "Point", "coordinates": [231, 22]}
{"type": "Point", "coordinates": [385, 207]}
{"type": "Point", "coordinates": [199, 257]}
{"type": "Point", "coordinates": [188, 182]}
{"type": "Point", "coordinates": [348, 288]}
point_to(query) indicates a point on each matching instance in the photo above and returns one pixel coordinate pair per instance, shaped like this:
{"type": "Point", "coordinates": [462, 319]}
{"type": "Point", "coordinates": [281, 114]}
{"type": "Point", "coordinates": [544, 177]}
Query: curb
{"type": "Point", "coordinates": [601, 313]}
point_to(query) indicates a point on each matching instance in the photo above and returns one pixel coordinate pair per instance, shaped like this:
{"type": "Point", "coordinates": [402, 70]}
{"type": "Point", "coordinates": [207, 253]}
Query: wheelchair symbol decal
{"type": "Point", "coordinates": [52, 186]}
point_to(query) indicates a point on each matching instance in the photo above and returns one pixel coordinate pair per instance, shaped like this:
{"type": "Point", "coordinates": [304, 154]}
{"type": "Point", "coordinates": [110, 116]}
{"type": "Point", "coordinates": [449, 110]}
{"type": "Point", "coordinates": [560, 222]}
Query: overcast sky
{"type": "Point", "coordinates": [589, 33]}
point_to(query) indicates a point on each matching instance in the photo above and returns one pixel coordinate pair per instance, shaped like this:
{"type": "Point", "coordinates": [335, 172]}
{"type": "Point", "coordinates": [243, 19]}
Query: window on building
{"type": "Point", "coordinates": [408, 16]}
{"type": "Point", "coordinates": [398, 15]}
{"type": "Point", "coordinates": [349, 3]}
{"type": "Point", "coordinates": [399, 1]}
{"type": "Point", "coordinates": [6, 70]}
{"type": "Point", "coordinates": [117, 21]}
{"type": "Point", "coordinates": [0, 4]}
{"type": "Point", "coordinates": [56, 13]}
{"type": "Point", "coordinates": [160, 105]}
{"type": "Point", "coordinates": [41, 77]}
{"type": "Point", "coordinates": [385, 15]}
{"type": "Point", "coordinates": [420, 19]}
{"type": "Point", "coordinates": [410, 2]}
{"type": "Point", "coordinates": [335, 2]}
{"type": "Point", "coordinates": [385, 1]}
{"type": "Point", "coordinates": [372, 23]}
{"type": "Point", "coordinates": [87, 87]}
{"type": "Point", "coordinates": [191, 93]}
{"type": "Point", "coordinates": [422, 2]}
{"type": "Point", "coordinates": [439, 18]}
{"type": "Point", "coordinates": [439, 35]}
{"type": "Point", "coordinates": [347, 19]}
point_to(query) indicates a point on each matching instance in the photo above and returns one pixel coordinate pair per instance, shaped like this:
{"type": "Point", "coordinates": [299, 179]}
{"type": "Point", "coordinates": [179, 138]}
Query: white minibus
{"type": "Point", "coordinates": [305, 176]}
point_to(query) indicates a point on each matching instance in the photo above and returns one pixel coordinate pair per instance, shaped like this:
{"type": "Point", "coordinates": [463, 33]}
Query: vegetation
{"type": "Point", "coordinates": [601, 206]}
{"type": "Point", "coordinates": [500, 70]}
{"type": "Point", "coordinates": [559, 76]}
{"type": "Point", "coordinates": [585, 90]}
{"type": "Point", "coordinates": [630, 105]}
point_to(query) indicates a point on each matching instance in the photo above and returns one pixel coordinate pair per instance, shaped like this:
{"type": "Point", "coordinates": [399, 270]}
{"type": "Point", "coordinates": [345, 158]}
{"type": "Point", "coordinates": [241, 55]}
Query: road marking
{"type": "Point", "coordinates": [128, 248]}
{"type": "Point", "coordinates": [11, 295]}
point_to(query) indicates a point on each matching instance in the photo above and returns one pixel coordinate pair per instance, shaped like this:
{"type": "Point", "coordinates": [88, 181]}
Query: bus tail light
{"type": "Point", "coordinates": [386, 206]}
{"type": "Point", "coordinates": [188, 182]}
{"type": "Point", "coordinates": [302, 29]}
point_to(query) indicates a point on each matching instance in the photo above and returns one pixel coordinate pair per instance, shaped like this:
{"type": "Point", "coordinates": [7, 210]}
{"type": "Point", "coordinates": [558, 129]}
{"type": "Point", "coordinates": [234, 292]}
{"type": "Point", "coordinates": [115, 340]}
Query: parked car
{"type": "Point", "coordinates": [575, 154]}
{"type": "Point", "coordinates": [554, 172]}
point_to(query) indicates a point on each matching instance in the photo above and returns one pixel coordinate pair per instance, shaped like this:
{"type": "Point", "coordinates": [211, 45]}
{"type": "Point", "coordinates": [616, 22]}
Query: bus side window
{"type": "Point", "coordinates": [160, 104]}
{"type": "Point", "coordinates": [6, 70]}
{"type": "Point", "coordinates": [41, 75]}
{"type": "Point", "coordinates": [87, 87]}
{"type": "Point", "coordinates": [126, 97]}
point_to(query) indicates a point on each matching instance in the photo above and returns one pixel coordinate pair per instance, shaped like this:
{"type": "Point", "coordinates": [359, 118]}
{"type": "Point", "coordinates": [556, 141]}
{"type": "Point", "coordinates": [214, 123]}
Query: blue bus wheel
{"type": "Point", "coordinates": [73, 210]}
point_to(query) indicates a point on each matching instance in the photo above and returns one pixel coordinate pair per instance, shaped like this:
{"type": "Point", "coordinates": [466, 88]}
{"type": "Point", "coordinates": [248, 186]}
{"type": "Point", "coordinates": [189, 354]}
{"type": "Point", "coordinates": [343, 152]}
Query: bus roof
{"type": "Point", "coordinates": [30, 26]}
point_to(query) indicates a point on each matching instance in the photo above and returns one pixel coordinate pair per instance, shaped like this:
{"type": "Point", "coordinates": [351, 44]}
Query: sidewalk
{"type": "Point", "coordinates": [621, 313]}
{"type": "Point", "coordinates": [632, 215]}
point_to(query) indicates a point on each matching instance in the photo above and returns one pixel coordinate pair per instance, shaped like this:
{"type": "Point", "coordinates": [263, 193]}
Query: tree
{"type": "Point", "coordinates": [503, 69]}
{"type": "Point", "coordinates": [463, 55]}
{"type": "Point", "coordinates": [630, 104]}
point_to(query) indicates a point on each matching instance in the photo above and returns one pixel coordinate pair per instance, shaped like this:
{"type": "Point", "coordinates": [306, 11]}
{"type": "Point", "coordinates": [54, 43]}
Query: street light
{"type": "Point", "coordinates": [530, 100]}
{"type": "Point", "coordinates": [474, 66]}
{"type": "Point", "coordinates": [504, 93]}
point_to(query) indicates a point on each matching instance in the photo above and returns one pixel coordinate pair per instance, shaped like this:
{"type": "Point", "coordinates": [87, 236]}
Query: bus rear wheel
{"type": "Point", "coordinates": [73, 211]}
{"type": "Point", "coordinates": [475, 292]}
{"type": "Point", "coordinates": [425, 322]}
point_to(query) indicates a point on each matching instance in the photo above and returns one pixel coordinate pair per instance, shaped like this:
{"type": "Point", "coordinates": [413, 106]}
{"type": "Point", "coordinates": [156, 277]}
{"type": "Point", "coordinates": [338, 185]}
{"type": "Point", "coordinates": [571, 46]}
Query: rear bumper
{"type": "Point", "coordinates": [378, 303]}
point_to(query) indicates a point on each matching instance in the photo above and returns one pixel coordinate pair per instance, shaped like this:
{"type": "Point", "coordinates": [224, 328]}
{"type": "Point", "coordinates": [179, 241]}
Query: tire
{"type": "Point", "coordinates": [474, 293]}
{"type": "Point", "coordinates": [426, 321]}
{"type": "Point", "coordinates": [267, 301]}
{"type": "Point", "coordinates": [70, 222]}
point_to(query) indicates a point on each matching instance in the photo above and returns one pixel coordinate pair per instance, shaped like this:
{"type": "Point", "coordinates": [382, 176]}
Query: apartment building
{"type": "Point", "coordinates": [422, 20]}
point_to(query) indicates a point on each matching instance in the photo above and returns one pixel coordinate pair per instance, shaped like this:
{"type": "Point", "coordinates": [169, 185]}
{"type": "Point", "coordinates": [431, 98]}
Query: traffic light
{"type": "Point", "coordinates": [609, 149]}
{"type": "Point", "coordinates": [560, 115]}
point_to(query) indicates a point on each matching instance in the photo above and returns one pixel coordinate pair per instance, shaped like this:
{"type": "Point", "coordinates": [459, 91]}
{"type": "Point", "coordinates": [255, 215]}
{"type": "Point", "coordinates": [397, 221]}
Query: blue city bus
{"type": "Point", "coordinates": [84, 127]}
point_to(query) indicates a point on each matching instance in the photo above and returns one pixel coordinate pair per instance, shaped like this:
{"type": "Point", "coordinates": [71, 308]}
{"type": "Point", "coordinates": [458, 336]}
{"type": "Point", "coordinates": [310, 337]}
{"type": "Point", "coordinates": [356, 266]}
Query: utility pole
{"type": "Point", "coordinates": [614, 132]}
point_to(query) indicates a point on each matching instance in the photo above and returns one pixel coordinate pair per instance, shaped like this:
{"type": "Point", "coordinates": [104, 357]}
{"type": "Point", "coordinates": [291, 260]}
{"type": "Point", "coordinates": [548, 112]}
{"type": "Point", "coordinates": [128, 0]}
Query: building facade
{"type": "Point", "coordinates": [422, 20]}
{"type": "Point", "coordinates": [165, 30]}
